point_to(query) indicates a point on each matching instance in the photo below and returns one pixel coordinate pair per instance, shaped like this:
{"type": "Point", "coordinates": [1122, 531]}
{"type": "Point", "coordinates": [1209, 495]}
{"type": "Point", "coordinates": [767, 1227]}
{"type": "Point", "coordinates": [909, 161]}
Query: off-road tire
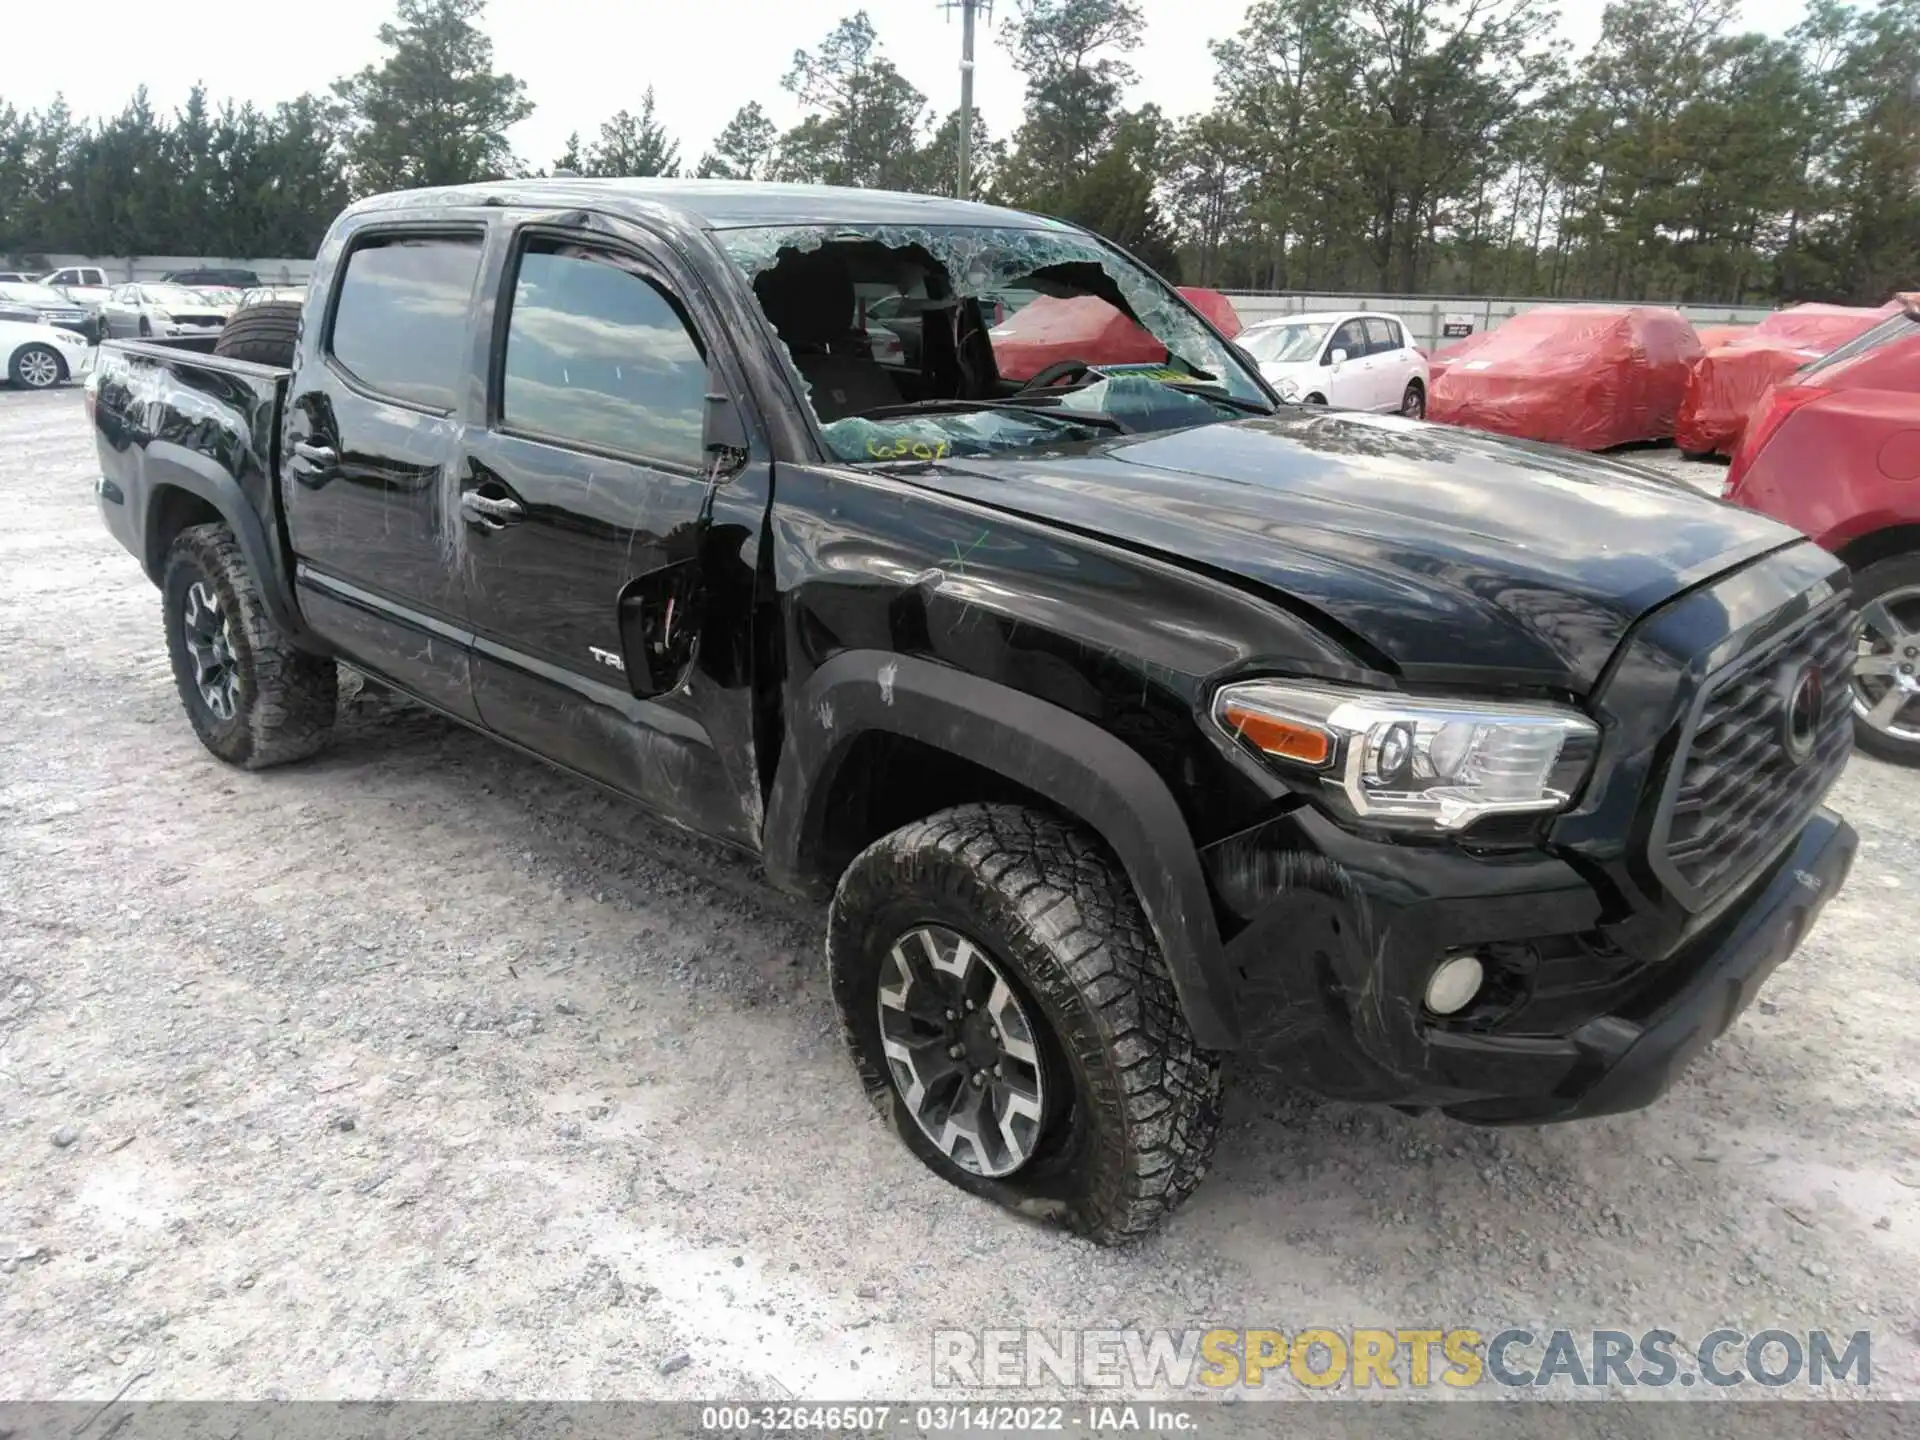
{"type": "Point", "coordinates": [1136, 1105]}
{"type": "Point", "coordinates": [266, 334]}
{"type": "Point", "coordinates": [1899, 572]}
{"type": "Point", "coordinates": [286, 697]}
{"type": "Point", "coordinates": [17, 367]}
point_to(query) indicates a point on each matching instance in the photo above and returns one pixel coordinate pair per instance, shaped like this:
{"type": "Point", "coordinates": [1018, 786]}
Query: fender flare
{"type": "Point", "coordinates": [1086, 772]}
{"type": "Point", "coordinates": [164, 466]}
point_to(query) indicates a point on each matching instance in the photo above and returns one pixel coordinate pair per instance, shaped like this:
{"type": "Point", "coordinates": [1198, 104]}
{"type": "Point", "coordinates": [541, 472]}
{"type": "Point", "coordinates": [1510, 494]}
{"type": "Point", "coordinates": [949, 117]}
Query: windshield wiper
{"type": "Point", "coordinates": [1096, 419]}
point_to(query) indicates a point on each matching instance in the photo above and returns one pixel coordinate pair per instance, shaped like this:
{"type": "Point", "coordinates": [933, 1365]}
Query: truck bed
{"type": "Point", "coordinates": [176, 429]}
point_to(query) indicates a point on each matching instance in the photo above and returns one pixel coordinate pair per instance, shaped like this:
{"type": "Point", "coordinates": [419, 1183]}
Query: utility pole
{"type": "Point", "coordinates": [968, 9]}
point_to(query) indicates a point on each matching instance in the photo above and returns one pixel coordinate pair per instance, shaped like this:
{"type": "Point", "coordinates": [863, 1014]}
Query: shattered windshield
{"type": "Point", "coordinates": [923, 342]}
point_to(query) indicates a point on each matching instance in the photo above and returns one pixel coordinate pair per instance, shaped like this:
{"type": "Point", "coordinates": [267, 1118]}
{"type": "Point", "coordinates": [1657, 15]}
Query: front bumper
{"type": "Point", "coordinates": [1582, 1027]}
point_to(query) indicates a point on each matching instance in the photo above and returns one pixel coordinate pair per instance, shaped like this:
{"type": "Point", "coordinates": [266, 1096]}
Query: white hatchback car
{"type": "Point", "coordinates": [37, 356]}
{"type": "Point", "coordinates": [1355, 360]}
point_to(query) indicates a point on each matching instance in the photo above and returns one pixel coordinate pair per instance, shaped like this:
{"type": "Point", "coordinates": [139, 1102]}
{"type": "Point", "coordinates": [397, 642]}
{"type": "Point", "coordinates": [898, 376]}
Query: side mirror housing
{"type": "Point", "coordinates": [1338, 357]}
{"type": "Point", "coordinates": [723, 430]}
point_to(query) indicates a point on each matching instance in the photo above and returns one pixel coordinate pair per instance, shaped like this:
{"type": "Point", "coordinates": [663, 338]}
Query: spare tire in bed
{"type": "Point", "coordinates": [265, 333]}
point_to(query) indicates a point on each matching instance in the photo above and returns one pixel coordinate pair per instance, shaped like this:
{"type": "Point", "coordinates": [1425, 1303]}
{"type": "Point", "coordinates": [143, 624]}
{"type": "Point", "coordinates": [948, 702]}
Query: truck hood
{"type": "Point", "coordinates": [1451, 554]}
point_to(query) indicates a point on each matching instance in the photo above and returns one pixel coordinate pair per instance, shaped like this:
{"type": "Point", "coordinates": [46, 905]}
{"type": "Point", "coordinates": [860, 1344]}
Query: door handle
{"type": "Point", "coordinates": [485, 512]}
{"type": "Point", "coordinates": [313, 465]}
{"type": "Point", "coordinates": [321, 457]}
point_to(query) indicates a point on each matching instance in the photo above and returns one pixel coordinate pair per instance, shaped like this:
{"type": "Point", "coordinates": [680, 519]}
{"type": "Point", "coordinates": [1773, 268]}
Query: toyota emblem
{"type": "Point", "coordinates": [1805, 694]}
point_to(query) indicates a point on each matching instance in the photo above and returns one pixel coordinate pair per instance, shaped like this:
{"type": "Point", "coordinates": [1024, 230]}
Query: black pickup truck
{"type": "Point", "coordinates": [1127, 717]}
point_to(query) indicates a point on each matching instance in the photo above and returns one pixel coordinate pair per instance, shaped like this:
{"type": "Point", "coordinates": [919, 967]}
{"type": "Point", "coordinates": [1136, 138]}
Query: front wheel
{"type": "Point", "coordinates": [1886, 670]}
{"type": "Point", "coordinates": [1012, 1019]}
{"type": "Point", "coordinates": [253, 699]}
{"type": "Point", "coordinates": [1413, 404]}
{"type": "Point", "coordinates": [37, 367]}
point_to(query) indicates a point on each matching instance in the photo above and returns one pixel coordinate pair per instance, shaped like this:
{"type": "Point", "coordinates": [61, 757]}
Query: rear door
{"type": "Point", "coordinates": [610, 610]}
{"type": "Point", "coordinates": [1386, 349]}
{"type": "Point", "coordinates": [372, 428]}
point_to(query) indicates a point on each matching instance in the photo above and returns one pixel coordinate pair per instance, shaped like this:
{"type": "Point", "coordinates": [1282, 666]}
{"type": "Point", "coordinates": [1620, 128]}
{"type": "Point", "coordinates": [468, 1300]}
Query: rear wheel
{"type": "Point", "coordinates": [37, 367]}
{"type": "Point", "coordinates": [266, 333]}
{"type": "Point", "coordinates": [1886, 671]}
{"type": "Point", "coordinates": [254, 700]}
{"type": "Point", "coordinates": [1011, 1018]}
{"type": "Point", "coordinates": [1413, 404]}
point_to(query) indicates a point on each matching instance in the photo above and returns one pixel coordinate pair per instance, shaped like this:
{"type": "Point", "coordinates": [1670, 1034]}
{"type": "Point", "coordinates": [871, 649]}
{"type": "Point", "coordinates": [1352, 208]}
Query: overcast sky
{"type": "Point", "coordinates": [584, 59]}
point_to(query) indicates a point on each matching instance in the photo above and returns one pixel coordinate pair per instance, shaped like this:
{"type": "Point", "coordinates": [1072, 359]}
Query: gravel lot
{"type": "Point", "coordinates": [422, 1071]}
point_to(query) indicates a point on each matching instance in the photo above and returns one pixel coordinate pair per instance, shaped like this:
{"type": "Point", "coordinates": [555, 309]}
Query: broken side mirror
{"type": "Point", "coordinates": [723, 429]}
{"type": "Point", "coordinates": [659, 627]}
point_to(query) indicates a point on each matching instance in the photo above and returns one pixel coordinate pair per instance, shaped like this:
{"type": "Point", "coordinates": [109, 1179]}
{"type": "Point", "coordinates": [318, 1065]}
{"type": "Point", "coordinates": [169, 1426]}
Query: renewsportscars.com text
{"type": "Point", "coordinates": [1363, 1359]}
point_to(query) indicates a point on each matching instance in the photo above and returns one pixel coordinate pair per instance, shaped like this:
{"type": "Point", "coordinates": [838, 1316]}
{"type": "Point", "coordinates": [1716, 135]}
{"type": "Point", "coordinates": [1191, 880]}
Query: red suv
{"type": "Point", "coordinates": [1835, 451]}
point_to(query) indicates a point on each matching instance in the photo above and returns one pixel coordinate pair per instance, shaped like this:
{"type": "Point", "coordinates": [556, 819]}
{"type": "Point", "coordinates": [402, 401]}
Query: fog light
{"type": "Point", "coordinates": [1454, 983]}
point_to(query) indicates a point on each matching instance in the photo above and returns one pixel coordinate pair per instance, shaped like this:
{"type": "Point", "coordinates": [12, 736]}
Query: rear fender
{"type": "Point", "coordinates": [166, 466]}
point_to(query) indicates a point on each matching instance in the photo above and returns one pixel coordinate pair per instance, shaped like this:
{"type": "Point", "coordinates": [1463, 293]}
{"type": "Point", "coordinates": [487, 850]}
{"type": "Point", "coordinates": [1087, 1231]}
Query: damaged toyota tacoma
{"type": "Point", "coordinates": [1127, 717]}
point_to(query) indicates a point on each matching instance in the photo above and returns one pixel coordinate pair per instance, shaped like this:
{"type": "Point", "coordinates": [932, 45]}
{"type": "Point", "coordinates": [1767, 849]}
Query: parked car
{"type": "Point", "coordinates": [1732, 374]}
{"type": "Point", "coordinates": [37, 356]}
{"type": "Point", "coordinates": [1835, 452]}
{"type": "Point", "coordinates": [1452, 354]}
{"type": "Point", "coordinates": [224, 278]}
{"type": "Point", "coordinates": [1125, 719]}
{"type": "Point", "coordinates": [148, 310]}
{"type": "Point", "coordinates": [1352, 360]}
{"type": "Point", "coordinates": [17, 277]}
{"type": "Point", "coordinates": [1589, 377]}
{"type": "Point", "coordinates": [87, 284]}
{"type": "Point", "coordinates": [34, 302]}
{"type": "Point", "coordinates": [268, 294]}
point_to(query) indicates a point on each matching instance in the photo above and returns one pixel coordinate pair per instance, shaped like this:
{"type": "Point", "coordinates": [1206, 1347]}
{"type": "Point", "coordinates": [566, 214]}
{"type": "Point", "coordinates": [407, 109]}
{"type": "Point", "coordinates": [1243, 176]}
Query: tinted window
{"type": "Point", "coordinates": [1352, 338]}
{"type": "Point", "coordinates": [400, 326]}
{"type": "Point", "coordinates": [1381, 337]}
{"type": "Point", "coordinates": [601, 357]}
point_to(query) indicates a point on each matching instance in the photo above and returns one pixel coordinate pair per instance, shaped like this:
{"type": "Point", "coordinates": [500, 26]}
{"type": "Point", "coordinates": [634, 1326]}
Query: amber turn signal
{"type": "Point", "coordinates": [1280, 737]}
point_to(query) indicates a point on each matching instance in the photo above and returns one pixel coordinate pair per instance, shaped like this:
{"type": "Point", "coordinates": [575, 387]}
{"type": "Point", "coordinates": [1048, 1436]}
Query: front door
{"type": "Point", "coordinates": [373, 423]}
{"type": "Point", "coordinates": [610, 608]}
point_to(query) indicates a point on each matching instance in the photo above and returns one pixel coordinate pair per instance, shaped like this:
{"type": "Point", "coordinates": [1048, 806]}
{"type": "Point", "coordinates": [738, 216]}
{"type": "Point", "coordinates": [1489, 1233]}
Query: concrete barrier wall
{"type": "Point", "coordinates": [124, 268]}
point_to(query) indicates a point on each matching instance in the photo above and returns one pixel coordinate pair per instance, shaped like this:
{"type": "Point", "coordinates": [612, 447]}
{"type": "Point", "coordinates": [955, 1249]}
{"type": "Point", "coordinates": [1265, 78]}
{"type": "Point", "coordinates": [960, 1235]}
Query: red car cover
{"type": "Point", "coordinates": [1588, 376]}
{"type": "Point", "coordinates": [1712, 335]}
{"type": "Point", "coordinates": [1725, 383]}
{"type": "Point", "coordinates": [1046, 331]}
{"type": "Point", "coordinates": [1440, 360]}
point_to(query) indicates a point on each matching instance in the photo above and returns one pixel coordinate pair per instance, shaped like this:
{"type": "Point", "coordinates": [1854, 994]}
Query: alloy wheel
{"type": "Point", "coordinates": [39, 368]}
{"type": "Point", "coordinates": [1886, 669]}
{"type": "Point", "coordinates": [961, 1049]}
{"type": "Point", "coordinates": [216, 671]}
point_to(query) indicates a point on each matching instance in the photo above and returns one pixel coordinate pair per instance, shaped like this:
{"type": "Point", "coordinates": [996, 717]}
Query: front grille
{"type": "Point", "coordinates": [64, 317]}
{"type": "Point", "coordinates": [1742, 793]}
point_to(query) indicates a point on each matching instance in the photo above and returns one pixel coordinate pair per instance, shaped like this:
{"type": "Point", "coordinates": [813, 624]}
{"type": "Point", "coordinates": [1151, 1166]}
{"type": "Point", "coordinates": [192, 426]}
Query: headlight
{"type": "Point", "coordinates": [1410, 762]}
{"type": "Point", "coordinates": [164, 316]}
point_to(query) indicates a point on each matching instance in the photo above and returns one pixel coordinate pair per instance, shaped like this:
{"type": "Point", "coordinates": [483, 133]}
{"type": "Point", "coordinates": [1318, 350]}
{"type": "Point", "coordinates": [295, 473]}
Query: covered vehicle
{"type": "Point", "coordinates": [1834, 451]}
{"type": "Point", "coordinates": [1586, 376]}
{"type": "Point", "coordinates": [1734, 373]}
{"type": "Point", "coordinates": [1054, 329]}
{"type": "Point", "coordinates": [1449, 355]}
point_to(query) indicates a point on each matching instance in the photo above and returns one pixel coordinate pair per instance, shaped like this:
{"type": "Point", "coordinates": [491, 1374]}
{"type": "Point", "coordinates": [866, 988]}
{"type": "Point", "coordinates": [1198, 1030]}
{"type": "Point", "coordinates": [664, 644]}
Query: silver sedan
{"type": "Point", "coordinates": [160, 310]}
